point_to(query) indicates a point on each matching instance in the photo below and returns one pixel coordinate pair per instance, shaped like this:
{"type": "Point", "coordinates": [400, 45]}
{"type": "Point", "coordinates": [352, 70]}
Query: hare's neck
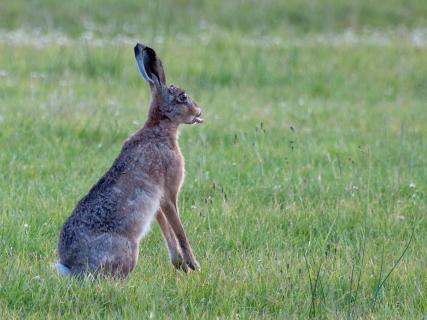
{"type": "Point", "coordinates": [163, 129]}
{"type": "Point", "coordinates": [160, 124]}
{"type": "Point", "coordinates": [154, 117]}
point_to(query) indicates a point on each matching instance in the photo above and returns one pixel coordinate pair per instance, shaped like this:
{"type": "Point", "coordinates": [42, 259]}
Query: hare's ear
{"type": "Point", "coordinates": [149, 65]}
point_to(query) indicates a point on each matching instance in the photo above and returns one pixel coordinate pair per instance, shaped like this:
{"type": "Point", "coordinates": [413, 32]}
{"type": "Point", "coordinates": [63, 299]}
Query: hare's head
{"type": "Point", "coordinates": [170, 102]}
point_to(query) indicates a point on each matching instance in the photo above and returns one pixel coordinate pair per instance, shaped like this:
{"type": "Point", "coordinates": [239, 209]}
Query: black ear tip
{"type": "Point", "coordinates": [150, 52]}
{"type": "Point", "coordinates": [139, 47]}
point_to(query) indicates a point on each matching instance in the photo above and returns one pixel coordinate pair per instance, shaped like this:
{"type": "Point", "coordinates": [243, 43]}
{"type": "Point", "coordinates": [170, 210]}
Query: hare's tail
{"type": "Point", "coordinates": [62, 269]}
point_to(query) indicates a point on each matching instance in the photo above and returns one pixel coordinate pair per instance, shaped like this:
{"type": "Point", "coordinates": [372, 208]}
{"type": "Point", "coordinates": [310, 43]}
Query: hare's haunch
{"type": "Point", "coordinates": [102, 233]}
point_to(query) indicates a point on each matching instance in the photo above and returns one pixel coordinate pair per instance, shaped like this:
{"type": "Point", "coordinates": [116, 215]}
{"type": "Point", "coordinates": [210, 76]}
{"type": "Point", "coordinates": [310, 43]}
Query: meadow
{"type": "Point", "coordinates": [305, 190]}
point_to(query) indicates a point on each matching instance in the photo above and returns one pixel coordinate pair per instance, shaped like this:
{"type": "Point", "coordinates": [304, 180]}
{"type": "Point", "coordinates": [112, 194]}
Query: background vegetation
{"type": "Point", "coordinates": [305, 187]}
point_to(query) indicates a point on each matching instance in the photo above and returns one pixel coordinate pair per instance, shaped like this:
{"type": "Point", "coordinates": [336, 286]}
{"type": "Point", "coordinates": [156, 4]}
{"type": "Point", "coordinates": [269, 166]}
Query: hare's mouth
{"type": "Point", "coordinates": [197, 119]}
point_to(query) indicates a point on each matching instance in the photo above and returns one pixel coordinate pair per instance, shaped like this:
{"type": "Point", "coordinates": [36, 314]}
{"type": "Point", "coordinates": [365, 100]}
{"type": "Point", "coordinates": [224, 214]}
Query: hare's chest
{"type": "Point", "coordinates": [175, 172]}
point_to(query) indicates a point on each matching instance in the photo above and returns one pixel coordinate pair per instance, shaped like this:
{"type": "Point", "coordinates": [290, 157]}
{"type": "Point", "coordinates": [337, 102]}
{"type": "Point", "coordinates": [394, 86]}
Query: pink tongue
{"type": "Point", "coordinates": [198, 120]}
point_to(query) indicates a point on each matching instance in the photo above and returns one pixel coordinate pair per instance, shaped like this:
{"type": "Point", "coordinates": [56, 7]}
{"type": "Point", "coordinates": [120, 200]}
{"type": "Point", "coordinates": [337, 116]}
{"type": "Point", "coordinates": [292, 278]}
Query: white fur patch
{"type": "Point", "coordinates": [63, 270]}
{"type": "Point", "coordinates": [145, 205]}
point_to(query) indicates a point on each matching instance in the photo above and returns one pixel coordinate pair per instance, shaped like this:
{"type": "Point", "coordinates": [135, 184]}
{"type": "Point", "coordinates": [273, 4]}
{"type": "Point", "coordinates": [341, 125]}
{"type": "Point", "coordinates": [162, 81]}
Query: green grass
{"type": "Point", "coordinates": [304, 187]}
{"type": "Point", "coordinates": [192, 16]}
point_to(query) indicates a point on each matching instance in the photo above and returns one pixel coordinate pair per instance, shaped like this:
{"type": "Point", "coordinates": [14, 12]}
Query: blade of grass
{"type": "Point", "coordinates": [374, 298]}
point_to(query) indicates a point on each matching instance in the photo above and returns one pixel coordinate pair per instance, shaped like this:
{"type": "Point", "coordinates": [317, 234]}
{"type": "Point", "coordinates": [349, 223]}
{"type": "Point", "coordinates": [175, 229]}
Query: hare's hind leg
{"type": "Point", "coordinates": [110, 254]}
{"type": "Point", "coordinates": [170, 210]}
{"type": "Point", "coordinates": [97, 253]}
{"type": "Point", "coordinates": [171, 242]}
{"type": "Point", "coordinates": [122, 257]}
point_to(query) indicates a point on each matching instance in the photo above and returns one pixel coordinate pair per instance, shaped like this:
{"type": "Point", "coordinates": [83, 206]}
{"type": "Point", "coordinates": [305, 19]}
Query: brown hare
{"type": "Point", "coordinates": [102, 234]}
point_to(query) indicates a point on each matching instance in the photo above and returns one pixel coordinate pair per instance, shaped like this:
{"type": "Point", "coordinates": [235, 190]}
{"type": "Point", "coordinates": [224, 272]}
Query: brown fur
{"type": "Point", "coordinates": [103, 232]}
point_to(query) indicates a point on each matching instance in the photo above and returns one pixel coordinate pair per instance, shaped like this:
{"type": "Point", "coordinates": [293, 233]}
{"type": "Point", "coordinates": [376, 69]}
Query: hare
{"type": "Point", "coordinates": [102, 234]}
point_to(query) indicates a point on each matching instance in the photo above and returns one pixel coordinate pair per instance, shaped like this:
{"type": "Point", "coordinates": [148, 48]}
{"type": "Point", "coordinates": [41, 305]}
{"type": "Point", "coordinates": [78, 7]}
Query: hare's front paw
{"type": "Point", "coordinates": [179, 262]}
{"type": "Point", "coordinates": [193, 264]}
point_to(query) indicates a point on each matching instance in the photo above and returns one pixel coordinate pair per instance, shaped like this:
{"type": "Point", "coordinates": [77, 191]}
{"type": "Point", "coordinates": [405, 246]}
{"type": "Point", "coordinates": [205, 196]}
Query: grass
{"type": "Point", "coordinates": [190, 16]}
{"type": "Point", "coordinates": [305, 193]}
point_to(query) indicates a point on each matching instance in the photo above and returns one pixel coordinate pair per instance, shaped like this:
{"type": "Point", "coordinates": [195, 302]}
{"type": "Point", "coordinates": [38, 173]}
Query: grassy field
{"type": "Point", "coordinates": [305, 193]}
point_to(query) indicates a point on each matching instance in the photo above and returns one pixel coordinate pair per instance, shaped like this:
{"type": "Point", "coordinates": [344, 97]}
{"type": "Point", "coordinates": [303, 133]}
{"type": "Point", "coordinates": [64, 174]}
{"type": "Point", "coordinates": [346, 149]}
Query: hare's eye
{"type": "Point", "coordinates": [183, 98]}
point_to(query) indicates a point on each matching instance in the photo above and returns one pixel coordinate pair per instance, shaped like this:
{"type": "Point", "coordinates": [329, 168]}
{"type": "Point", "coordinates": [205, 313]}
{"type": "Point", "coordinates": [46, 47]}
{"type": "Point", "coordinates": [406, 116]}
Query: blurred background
{"type": "Point", "coordinates": [270, 17]}
{"type": "Point", "coordinates": [303, 188]}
